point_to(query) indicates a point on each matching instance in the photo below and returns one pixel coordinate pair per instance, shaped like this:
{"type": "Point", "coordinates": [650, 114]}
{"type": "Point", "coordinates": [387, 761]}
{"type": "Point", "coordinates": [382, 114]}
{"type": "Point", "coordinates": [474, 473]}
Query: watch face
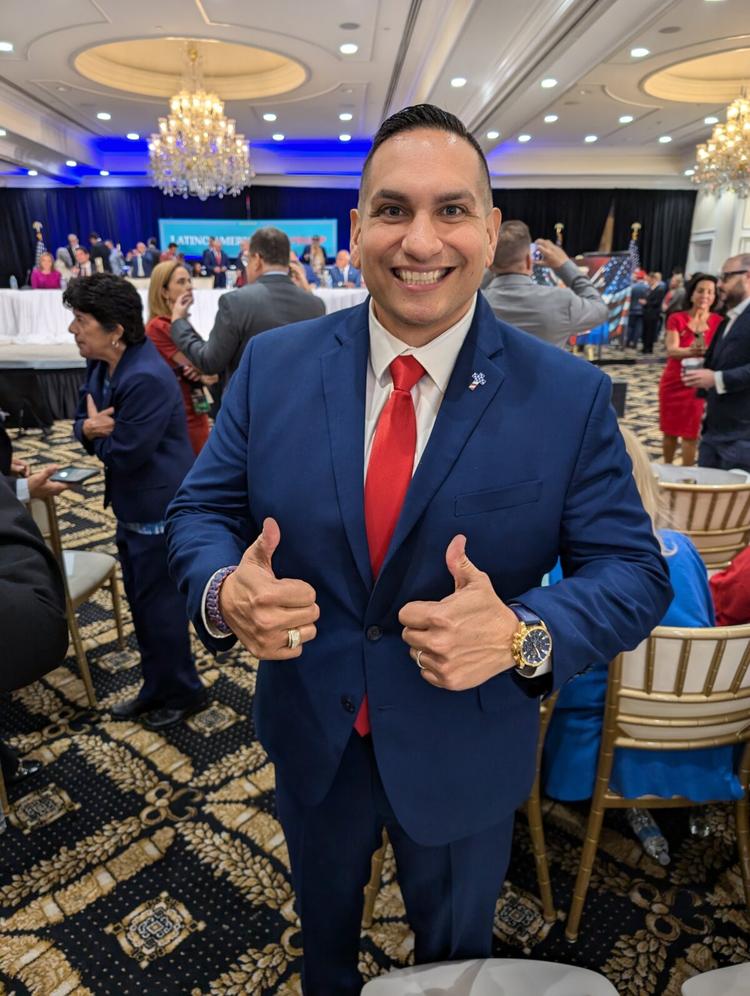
{"type": "Point", "coordinates": [536, 646]}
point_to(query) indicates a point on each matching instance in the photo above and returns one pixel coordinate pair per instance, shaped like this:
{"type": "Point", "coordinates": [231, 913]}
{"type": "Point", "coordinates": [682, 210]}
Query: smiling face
{"type": "Point", "coordinates": [704, 295]}
{"type": "Point", "coordinates": [179, 282]}
{"type": "Point", "coordinates": [424, 232]}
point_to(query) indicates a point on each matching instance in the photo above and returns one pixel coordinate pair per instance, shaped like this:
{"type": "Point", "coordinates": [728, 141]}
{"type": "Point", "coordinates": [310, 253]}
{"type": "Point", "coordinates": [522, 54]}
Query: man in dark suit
{"type": "Point", "coordinates": [652, 311]}
{"type": "Point", "coordinates": [216, 262]}
{"type": "Point", "coordinates": [141, 261]}
{"type": "Point", "coordinates": [343, 274]}
{"type": "Point", "coordinates": [725, 377]}
{"type": "Point", "coordinates": [99, 251]}
{"type": "Point", "coordinates": [269, 299]}
{"type": "Point", "coordinates": [380, 479]}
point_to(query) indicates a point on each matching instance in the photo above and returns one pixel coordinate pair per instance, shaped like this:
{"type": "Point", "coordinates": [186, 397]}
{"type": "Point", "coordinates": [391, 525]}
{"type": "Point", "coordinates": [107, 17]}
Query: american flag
{"type": "Point", "coordinates": [635, 256]}
{"type": "Point", "coordinates": [40, 246]}
{"type": "Point", "coordinates": [611, 274]}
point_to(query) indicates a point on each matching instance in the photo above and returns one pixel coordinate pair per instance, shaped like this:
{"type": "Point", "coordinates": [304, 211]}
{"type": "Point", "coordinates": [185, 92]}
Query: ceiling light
{"type": "Point", "coordinates": [591, 138]}
{"type": "Point", "coordinates": [665, 139]}
{"type": "Point", "coordinates": [103, 172]}
{"type": "Point", "coordinates": [71, 162]}
{"type": "Point", "coordinates": [688, 172]}
{"type": "Point", "coordinates": [133, 136]}
{"type": "Point", "coordinates": [492, 135]}
{"type": "Point", "coordinates": [32, 172]}
{"type": "Point", "coordinates": [548, 83]}
{"type": "Point", "coordinates": [104, 115]}
{"type": "Point", "coordinates": [625, 119]}
{"type": "Point", "coordinates": [710, 120]}
{"type": "Point", "coordinates": [345, 138]}
{"type": "Point", "coordinates": [6, 46]}
{"type": "Point", "coordinates": [550, 118]}
{"type": "Point", "coordinates": [345, 116]}
{"type": "Point", "coordinates": [722, 160]}
{"type": "Point", "coordinates": [348, 48]}
{"type": "Point", "coordinates": [277, 136]}
{"type": "Point", "coordinates": [349, 26]}
{"type": "Point", "coordinates": [458, 81]}
{"type": "Point", "coordinates": [640, 53]}
{"type": "Point", "coordinates": [524, 138]}
{"type": "Point", "coordinates": [3, 132]}
{"type": "Point", "coordinates": [269, 116]}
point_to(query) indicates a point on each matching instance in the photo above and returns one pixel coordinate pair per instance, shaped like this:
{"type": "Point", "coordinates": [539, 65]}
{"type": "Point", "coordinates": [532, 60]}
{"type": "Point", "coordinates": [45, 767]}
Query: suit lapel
{"type": "Point", "coordinates": [344, 372]}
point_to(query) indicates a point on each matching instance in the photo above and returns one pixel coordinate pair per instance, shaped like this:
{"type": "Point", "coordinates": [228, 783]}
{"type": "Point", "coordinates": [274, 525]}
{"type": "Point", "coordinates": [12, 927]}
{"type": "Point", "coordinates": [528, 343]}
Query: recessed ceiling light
{"type": "Point", "coordinates": [104, 115]}
{"type": "Point", "coordinates": [710, 120]}
{"type": "Point", "coordinates": [348, 48]}
{"type": "Point", "coordinates": [31, 172]}
{"type": "Point", "coordinates": [548, 83]}
{"type": "Point", "coordinates": [345, 138]}
{"type": "Point", "coordinates": [133, 136]}
{"type": "Point", "coordinates": [269, 116]}
{"type": "Point", "coordinates": [550, 118]}
{"type": "Point", "coordinates": [345, 116]}
{"type": "Point", "coordinates": [6, 46]}
{"type": "Point", "coordinates": [688, 172]}
{"type": "Point", "coordinates": [671, 29]}
{"type": "Point", "coordinates": [71, 162]}
{"type": "Point", "coordinates": [640, 53]}
{"type": "Point", "coordinates": [3, 132]}
{"type": "Point", "coordinates": [458, 81]}
{"type": "Point", "coordinates": [591, 138]}
{"type": "Point", "coordinates": [524, 138]}
{"type": "Point", "coordinates": [277, 136]}
{"type": "Point", "coordinates": [349, 26]}
{"type": "Point", "coordinates": [61, 89]}
{"type": "Point", "coordinates": [492, 135]}
{"type": "Point", "coordinates": [103, 172]}
{"type": "Point", "coordinates": [625, 119]}
{"type": "Point", "coordinates": [665, 139]}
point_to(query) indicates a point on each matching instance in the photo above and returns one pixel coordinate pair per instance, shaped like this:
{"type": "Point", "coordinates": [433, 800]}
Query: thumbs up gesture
{"type": "Point", "coordinates": [464, 639]}
{"type": "Point", "coordinates": [263, 610]}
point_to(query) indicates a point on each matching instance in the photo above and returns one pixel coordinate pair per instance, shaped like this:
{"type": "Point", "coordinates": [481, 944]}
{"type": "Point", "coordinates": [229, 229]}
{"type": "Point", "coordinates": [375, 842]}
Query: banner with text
{"type": "Point", "coordinates": [192, 234]}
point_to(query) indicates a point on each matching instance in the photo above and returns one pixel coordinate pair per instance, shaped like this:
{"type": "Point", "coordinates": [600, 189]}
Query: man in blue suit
{"type": "Point", "coordinates": [343, 274]}
{"type": "Point", "coordinates": [216, 261]}
{"type": "Point", "coordinates": [403, 631]}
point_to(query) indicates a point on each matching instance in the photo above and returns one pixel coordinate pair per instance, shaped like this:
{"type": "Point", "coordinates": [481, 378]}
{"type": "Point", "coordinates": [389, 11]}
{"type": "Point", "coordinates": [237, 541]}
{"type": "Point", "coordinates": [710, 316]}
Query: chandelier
{"type": "Point", "coordinates": [197, 151]}
{"type": "Point", "coordinates": [724, 161]}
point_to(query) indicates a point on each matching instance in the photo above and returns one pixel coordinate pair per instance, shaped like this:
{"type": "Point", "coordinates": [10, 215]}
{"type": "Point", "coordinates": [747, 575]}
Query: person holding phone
{"type": "Point", "coordinates": [130, 415]}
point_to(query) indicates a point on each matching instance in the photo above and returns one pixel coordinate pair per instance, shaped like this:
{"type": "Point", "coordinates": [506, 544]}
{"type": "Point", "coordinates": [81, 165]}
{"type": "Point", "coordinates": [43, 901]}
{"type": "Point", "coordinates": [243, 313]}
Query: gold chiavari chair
{"type": "Point", "coordinates": [716, 517]}
{"type": "Point", "coordinates": [681, 689]}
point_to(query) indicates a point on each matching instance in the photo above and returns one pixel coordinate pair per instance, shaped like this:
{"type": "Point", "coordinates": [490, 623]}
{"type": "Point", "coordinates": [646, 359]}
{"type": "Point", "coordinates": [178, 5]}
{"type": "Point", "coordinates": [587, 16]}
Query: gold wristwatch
{"type": "Point", "coordinates": [531, 645]}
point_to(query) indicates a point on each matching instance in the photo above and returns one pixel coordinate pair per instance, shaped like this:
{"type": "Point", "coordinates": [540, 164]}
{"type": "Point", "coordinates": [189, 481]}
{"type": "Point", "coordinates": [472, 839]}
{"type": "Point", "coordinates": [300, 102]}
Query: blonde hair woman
{"type": "Point", "coordinates": [170, 280]}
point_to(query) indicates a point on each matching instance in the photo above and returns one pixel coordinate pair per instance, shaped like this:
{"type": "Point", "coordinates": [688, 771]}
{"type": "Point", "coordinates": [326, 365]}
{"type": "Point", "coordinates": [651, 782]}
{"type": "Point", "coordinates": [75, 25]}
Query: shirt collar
{"type": "Point", "coordinates": [437, 357]}
{"type": "Point", "coordinates": [737, 310]}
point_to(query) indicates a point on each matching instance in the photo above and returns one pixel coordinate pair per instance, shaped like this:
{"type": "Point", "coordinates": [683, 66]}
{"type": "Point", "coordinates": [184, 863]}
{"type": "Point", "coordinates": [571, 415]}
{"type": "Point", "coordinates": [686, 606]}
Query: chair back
{"type": "Point", "coordinates": [44, 514]}
{"type": "Point", "coordinates": [681, 688]}
{"type": "Point", "coordinates": [716, 517]}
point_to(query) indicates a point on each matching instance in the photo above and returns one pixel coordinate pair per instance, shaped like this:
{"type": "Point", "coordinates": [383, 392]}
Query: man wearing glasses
{"type": "Point", "coordinates": [725, 377]}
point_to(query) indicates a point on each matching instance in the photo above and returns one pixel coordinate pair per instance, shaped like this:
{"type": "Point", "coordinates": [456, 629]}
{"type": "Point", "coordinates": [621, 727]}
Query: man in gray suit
{"type": "Point", "coordinates": [268, 299]}
{"type": "Point", "coordinates": [549, 313]}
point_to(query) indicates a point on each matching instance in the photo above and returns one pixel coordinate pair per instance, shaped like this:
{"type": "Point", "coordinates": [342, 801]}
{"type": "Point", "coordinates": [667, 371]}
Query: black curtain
{"type": "Point", "coordinates": [129, 214]}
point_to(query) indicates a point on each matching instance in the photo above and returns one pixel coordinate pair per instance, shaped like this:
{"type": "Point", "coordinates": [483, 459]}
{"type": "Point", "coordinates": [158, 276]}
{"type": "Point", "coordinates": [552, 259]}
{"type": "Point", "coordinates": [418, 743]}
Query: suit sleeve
{"type": "Point", "coordinates": [736, 378]}
{"type": "Point", "coordinates": [213, 355]}
{"type": "Point", "coordinates": [32, 603]}
{"type": "Point", "coordinates": [615, 585]}
{"type": "Point", "coordinates": [583, 307]}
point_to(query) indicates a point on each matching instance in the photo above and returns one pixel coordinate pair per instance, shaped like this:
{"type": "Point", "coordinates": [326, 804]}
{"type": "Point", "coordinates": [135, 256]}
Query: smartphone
{"type": "Point", "coordinates": [73, 475]}
{"type": "Point", "coordinates": [535, 253]}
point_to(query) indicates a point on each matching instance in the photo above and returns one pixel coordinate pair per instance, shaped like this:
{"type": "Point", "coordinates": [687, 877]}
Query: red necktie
{"type": "Point", "coordinates": [389, 474]}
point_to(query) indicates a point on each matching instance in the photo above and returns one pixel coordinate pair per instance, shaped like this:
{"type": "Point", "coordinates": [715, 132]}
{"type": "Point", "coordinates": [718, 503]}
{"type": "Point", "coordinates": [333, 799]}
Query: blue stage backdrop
{"type": "Point", "coordinates": [192, 234]}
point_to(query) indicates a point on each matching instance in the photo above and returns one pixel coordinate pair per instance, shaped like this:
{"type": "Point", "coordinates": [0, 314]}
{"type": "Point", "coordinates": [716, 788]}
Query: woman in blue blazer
{"type": "Point", "coordinates": [130, 415]}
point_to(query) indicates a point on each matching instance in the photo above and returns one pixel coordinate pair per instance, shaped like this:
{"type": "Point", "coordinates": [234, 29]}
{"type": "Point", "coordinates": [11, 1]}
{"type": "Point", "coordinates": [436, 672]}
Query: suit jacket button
{"type": "Point", "coordinates": [347, 703]}
{"type": "Point", "coordinates": [374, 633]}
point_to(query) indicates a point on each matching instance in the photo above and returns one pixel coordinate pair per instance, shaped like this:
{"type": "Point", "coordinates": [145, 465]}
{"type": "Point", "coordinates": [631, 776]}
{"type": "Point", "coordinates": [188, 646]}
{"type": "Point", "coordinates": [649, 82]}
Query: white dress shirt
{"type": "Point", "coordinates": [733, 314]}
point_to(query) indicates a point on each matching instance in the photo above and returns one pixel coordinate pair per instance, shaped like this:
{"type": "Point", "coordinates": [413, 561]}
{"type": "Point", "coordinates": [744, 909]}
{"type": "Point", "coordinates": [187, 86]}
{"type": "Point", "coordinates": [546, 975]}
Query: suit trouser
{"type": "Point", "coordinates": [450, 891]}
{"type": "Point", "coordinates": [159, 618]}
{"type": "Point", "coordinates": [650, 332]}
{"type": "Point", "coordinates": [635, 328]}
{"type": "Point", "coordinates": [724, 455]}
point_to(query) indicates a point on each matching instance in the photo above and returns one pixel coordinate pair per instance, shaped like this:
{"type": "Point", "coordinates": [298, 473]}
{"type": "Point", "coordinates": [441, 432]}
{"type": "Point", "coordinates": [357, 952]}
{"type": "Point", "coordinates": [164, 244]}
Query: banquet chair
{"type": "Point", "coordinates": [681, 689]}
{"type": "Point", "coordinates": [716, 517]}
{"type": "Point", "coordinates": [533, 809]}
{"type": "Point", "coordinates": [732, 980]}
{"type": "Point", "coordinates": [84, 572]}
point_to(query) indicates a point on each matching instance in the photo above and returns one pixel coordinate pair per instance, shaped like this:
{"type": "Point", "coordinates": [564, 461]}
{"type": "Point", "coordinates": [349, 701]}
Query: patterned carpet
{"type": "Point", "coordinates": [139, 863]}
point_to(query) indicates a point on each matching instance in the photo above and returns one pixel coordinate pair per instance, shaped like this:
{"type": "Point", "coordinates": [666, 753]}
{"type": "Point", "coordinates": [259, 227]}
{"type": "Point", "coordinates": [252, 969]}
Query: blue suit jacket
{"type": "Point", "coordinates": [148, 454]}
{"type": "Point", "coordinates": [528, 465]}
{"type": "Point", "coordinates": [209, 261]}
{"type": "Point", "coordinates": [337, 276]}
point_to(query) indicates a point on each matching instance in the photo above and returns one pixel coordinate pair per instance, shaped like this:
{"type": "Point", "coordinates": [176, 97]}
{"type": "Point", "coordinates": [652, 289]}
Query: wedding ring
{"type": "Point", "coordinates": [292, 638]}
{"type": "Point", "coordinates": [418, 659]}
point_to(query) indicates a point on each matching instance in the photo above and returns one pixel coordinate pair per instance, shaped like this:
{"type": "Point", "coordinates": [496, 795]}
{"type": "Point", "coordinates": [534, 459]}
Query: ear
{"type": "Point", "coordinates": [354, 237]}
{"type": "Point", "coordinates": [494, 219]}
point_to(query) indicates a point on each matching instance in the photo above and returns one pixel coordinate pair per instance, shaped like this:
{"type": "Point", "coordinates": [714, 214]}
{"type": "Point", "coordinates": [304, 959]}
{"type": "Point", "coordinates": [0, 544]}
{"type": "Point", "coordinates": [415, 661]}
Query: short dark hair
{"type": "Point", "coordinates": [80, 248]}
{"type": "Point", "coordinates": [172, 245]}
{"type": "Point", "coordinates": [94, 236]}
{"type": "Point", "coordinates": [111, 300]}
{"type": "Point", "coordinates": [424, 116]}
{"type": "Point", "coordinates": [513, 241]}
{"type": "Point", "coordinates": [693, 283]}
{"type": "Point", "coordinates": [272, 245]}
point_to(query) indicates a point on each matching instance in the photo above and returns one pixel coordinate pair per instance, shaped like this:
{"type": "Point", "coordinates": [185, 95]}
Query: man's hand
{"type": "Point", "coordinates": [189, 372]}
{"type": "Point", "coordinates": [699, 378]}
{"type": "Point", "coordinates": [297, 273]}
{"type": "Point", "coordinates": [181, 307]}
{"type": "Point", "coordinates": [40, 485]}
{"type": "Point", "coordinates": [260, 608]}
{"type": "Point", "coordinates": [99, 423]}
{"type": "Point", "coordinates": [18, 468]}
{"type": "Point", "coordinates": [465, 638]}
{"type": "Point", "coordinates": [552, 255]}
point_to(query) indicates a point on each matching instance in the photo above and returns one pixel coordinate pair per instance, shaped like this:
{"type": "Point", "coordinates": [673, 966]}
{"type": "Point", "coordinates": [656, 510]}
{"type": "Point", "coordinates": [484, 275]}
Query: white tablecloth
{"type": "Point", "coordinates": [38, 317]}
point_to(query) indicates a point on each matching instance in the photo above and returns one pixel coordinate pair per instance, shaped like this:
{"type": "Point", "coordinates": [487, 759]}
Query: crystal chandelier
{"type": "Point", "coordinates": [197, 151]}
{"type": "Point", "coordinates": [724, 161]}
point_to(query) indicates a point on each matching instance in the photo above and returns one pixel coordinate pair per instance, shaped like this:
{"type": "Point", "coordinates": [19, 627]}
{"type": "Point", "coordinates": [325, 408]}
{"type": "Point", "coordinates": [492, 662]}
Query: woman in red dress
{"type": "Point", "coordinates": [688, 335]}
{"type": "Point", "coordinates": [169, 280]}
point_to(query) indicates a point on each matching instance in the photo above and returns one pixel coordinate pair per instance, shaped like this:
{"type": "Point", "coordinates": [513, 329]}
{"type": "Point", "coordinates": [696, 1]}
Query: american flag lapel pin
{"type": "Point", "coordinates": [477, 379]}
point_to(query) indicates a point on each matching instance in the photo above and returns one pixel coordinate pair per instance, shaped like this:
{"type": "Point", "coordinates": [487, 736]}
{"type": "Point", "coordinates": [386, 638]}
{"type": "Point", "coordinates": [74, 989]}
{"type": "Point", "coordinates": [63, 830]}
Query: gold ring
{"type": "Point", "coordinates": [418, 659]}
{"type": "Point", "coordinates": [292, 638]}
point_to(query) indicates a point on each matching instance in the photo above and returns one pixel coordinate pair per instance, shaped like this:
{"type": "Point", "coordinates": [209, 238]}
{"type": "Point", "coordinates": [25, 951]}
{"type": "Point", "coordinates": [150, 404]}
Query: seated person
{"type": "Point", "coordinates": [314, 254]}
{"type": "Point", "coordinates": [571, 749]}
{"type": "Point", "coordinates": [342, 274]}
{"type": "Point", "coordinates": [44, 276]}
{"type": "Point", "coordinates": [730, 590]}
{"type": "Point", "coordinates": [298, 269]}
